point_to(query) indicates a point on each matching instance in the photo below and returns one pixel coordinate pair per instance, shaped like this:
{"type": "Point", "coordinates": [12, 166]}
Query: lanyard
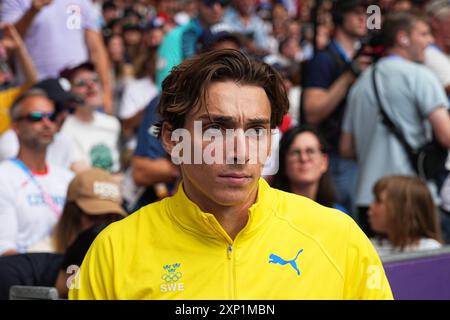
{"type": "Point", "coordinates": [45, 196]}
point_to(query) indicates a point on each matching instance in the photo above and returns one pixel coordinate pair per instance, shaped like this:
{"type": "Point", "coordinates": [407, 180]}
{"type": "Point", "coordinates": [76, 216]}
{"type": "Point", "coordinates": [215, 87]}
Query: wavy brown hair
{"type": "Point", "coordinates": [412, 213]}
{"type": "Point", "coordinates": [186, 86]}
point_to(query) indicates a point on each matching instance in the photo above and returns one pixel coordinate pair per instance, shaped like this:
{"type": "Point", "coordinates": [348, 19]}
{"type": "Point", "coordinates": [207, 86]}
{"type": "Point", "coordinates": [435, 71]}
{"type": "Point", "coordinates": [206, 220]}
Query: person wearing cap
{"type": "Point", "coordinates": [155, 30]}
{"type": "Point", "coordinates": [96, 134]}
{"type": "Point", "coordinates": [132, 35]}
{"type": "Point", "coordinates": [180, 43]}
{"type": "Point", "coordinates": [217, 37]}
{"type": "Point", "coordinates": [59, 33]}
{"type": "Point", "coordinates": [327, 79]}
{"type": "Point", "coordinates": [93, 197]}
{"type": "Point", "coordinates": [32, 191]}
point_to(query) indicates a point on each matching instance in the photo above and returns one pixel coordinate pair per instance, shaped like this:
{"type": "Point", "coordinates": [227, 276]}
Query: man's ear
{"type": "Point", "coordinates": [166, 137]}
{"type": "Point", "coordinates": [403, 39]}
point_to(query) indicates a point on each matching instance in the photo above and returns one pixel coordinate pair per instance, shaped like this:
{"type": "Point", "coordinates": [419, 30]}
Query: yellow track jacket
{"type": "Point", "coordinates": [291, 248]}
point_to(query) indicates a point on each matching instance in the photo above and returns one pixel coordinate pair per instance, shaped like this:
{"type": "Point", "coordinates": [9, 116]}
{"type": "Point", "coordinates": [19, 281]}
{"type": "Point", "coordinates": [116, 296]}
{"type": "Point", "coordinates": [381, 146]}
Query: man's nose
{"type": "Point", "coordinates": [236, 147]}
{"type": "Point", "coordinates": [47, 122]}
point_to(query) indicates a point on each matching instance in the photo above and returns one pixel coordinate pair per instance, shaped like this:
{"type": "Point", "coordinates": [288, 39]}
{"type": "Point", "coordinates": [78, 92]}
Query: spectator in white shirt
{"type": "Point", "coordinates": [32, 192]}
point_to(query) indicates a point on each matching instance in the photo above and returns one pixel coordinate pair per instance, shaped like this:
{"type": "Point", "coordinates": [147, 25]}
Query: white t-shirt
{"type": "Point", "coordinates": [439, 63]}
{"type": "Point", "coordinates": [384, 247]}
{"type": "Point", "coordinates": [9, 145]}
{"type": "Point", "coordinates": [136, 96]}
{"type": "Point", "coordinates": [25, 218]}
{"type": "Point", "coordinates": [96, 142]}
{"type": "Point", "coordinates": [61, 152]}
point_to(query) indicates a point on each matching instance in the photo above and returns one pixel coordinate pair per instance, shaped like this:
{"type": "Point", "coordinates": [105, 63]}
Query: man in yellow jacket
{"type": "Point", "coordinates": [226, 234]}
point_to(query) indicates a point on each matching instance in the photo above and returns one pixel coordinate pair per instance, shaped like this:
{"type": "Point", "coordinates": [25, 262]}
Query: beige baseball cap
{"type": "Point", "coordinates": [96, 192]}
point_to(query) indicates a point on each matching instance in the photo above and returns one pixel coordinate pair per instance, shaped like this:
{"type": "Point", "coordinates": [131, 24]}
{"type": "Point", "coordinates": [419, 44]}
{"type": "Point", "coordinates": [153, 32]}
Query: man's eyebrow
{"type": "Point", "coordinates": [216, 118]}
{"type": "Point", "coordinates": [259, 121]}
{"type": "Point", "coordinates": [231, 120]}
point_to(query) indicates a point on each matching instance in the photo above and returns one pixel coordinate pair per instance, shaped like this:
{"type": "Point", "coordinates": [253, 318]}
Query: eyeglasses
{"type": "Point", "coordinates": [85, 82]}
{"type": "Point", "coordinates": [37, 116]}
{"type": "Point", "coordinates": [211, 3]}
{"type": "Point", "coordinates": [309, 152]}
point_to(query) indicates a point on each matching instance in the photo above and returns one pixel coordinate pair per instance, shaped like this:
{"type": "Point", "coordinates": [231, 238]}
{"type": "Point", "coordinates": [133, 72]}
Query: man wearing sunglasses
{"type": "Point", "coordinates": [180, 43]}
{"type": "Point", "coordinates": [32, 191]}
{"type": "Point", "coordinates": [61, 151]}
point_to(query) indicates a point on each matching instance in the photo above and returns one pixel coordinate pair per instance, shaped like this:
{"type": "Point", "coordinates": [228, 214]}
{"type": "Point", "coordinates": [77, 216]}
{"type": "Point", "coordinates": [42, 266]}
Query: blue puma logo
{"type": "Point", "coordinates": [278, 260]}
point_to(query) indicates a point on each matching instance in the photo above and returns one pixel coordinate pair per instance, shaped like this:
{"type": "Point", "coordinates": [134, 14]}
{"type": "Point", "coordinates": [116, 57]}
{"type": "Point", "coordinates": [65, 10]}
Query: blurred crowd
{"type": "Point", "coordinates": [80, 83]}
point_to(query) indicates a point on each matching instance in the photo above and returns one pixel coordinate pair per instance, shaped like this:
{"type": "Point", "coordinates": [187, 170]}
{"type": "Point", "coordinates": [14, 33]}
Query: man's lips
{"type": "Point", "coordinates": [235, 175]}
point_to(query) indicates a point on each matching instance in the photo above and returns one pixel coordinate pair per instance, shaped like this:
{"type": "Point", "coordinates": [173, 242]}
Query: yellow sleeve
{"type": "Point", "coordinates": [364, 274]}
{"type": "Point", "coordinates": [7, 98]}
{"type": "Point", "coordinates": [94, 281]}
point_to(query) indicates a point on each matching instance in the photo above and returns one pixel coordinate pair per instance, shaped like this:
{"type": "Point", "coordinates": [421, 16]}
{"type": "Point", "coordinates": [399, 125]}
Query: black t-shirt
{"type": "Point", "coordinates": [321, 71]}
{"type": "Point", "coordinates": [29, 269]}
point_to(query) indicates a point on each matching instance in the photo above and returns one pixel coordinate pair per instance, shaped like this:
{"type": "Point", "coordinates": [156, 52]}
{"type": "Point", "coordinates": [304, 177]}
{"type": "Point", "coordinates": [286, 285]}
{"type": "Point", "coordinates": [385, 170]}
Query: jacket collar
{"type": "Point", "coordinates": [190, 217]}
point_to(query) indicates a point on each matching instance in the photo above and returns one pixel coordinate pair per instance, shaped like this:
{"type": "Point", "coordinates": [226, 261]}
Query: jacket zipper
{"type": "Point", "coordinates": [231, 271]}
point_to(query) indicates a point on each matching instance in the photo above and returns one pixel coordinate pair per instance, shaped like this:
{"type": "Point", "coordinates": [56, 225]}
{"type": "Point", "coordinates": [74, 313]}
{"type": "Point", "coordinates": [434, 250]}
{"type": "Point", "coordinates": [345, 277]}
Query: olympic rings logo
{"type": "Point", "coordinates": [172, 277]}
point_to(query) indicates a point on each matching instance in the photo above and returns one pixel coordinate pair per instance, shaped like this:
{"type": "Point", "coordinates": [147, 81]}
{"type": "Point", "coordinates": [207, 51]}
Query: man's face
{"type": "Point", "coordinates": [85, 84]}
{"type": "Point", "coordinates": [419, 39]}
{"type": "Point", "coordinates": [34, 130]}
{"type": "Point", "coordinates": [233, 180]}
{"type": "Point", "coordinates": [211, 12]}
{"type": "Point", "coordinates": [244, 6]}
{"type": "Point", "coordinates": [355, 23]}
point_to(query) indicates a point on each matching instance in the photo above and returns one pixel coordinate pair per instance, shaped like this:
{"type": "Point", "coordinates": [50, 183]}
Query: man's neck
{"type": "Point", "coordinates": [396, 51]}
{"type": "Point", "coordinates": [306, 190]}
{"type": "Point", "coordinates": [346, 42]}
{"type": "Point", "coordinates": [245, 17]}
{"type": "Point", "coordinates": [33, 159]}
{"type": "Point", "coordinates": [232, 218]}
{"type": "Point", "coordinates": [84, 114]}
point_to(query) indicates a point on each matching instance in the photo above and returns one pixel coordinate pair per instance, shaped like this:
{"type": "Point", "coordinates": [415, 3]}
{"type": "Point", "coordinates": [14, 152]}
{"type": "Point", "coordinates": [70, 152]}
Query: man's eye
{"type": "Point", "coordinates": [257, 132]}
{"type": "Point", "coordinates": [213, 126]}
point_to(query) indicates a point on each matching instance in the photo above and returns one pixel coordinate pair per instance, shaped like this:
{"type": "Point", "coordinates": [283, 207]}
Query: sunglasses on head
{"type": "Point", "coordinates": [37, 116]}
